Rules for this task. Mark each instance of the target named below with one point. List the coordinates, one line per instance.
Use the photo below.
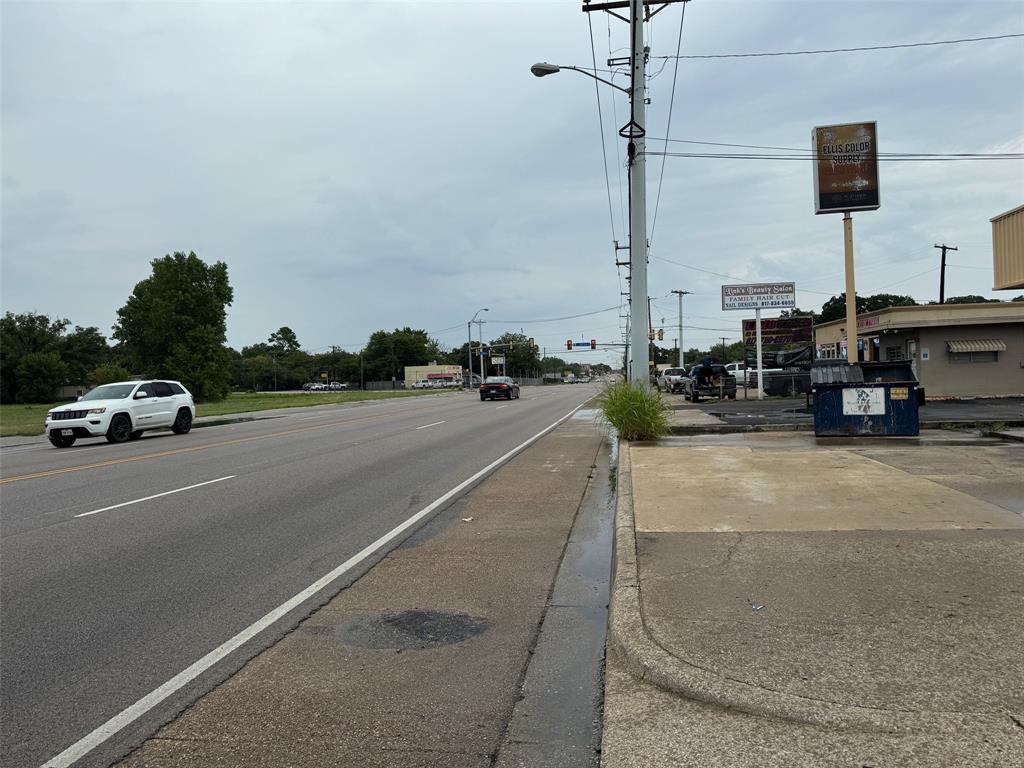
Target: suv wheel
(183, 422)
(62, 441)
(120, 429)
(135, 435)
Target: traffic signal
(650, 334)
(530, 343)
(593, 343)
(661, 334)
(568, 345)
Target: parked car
(337, 386)
(670, 380)
(499, 386)
(748, 374)
(122, 411)
(716, 382)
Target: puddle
(408, 630)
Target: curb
(1005, 436)
(647, 660)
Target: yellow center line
(177, 451)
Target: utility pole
(680, 359)
(942, 272)
(723, 338)
(634, 132)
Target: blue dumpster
(865, 399)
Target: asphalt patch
(409, 630)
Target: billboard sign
(845, 167)
(779, 331)
(759, 296)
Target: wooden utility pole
(942, 272)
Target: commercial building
(1008, 250)
(439, 375)
(955, 350)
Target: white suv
(122, 411)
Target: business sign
(779, 331)
(498, 360)
(759, 296)
(845, 167)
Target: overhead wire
(844, 50)
(600, 122)
(668, 128)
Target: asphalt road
(98, 610)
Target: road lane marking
(126, 717)
(501, 406)
(154, 496)
(432, 425)
(177, 451)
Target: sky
(369, 165)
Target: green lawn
(28, 419)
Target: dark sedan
(499, 386)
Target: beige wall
(1008, 250)
(941, 377)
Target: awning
(977, 345)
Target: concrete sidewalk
(781, 602)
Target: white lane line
(432, 425)
(154, 496)
(129, 715)
(501, 406)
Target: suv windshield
(674, 372)
(109, 392)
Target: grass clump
(635, 413)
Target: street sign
(498, 359)
(779, 331)
(323, 375)
(759, 296)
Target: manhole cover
(409, 629)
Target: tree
(284, 340)
(175, 323)
(1018, 298)
(835, 308)
(82, 352)
(40, 376)
(387, 354)
(108, 373)
(971, 298)
(520, 357)
(797, 312)
(20, 336)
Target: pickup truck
(670, 380)
(720, 383)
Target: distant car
(307, 386)
(711, 381)
(424, 384)
(122, 411)
(499, 386)
(337, 386)
(670, 380)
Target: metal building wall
(1008, 250)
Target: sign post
(845, 180)
(758, 296)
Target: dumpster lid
(836, 372)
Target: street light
(543, 69)
(634, 132)
(469, 348)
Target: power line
(668, 128)
(908, 157)
(809, 149)
(600, 122)
(842, 50)
(720, 274)
(556, 319)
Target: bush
(40, 375)
(635, 413)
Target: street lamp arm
(543, 69)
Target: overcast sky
(367, 165)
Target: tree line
(174, 326)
